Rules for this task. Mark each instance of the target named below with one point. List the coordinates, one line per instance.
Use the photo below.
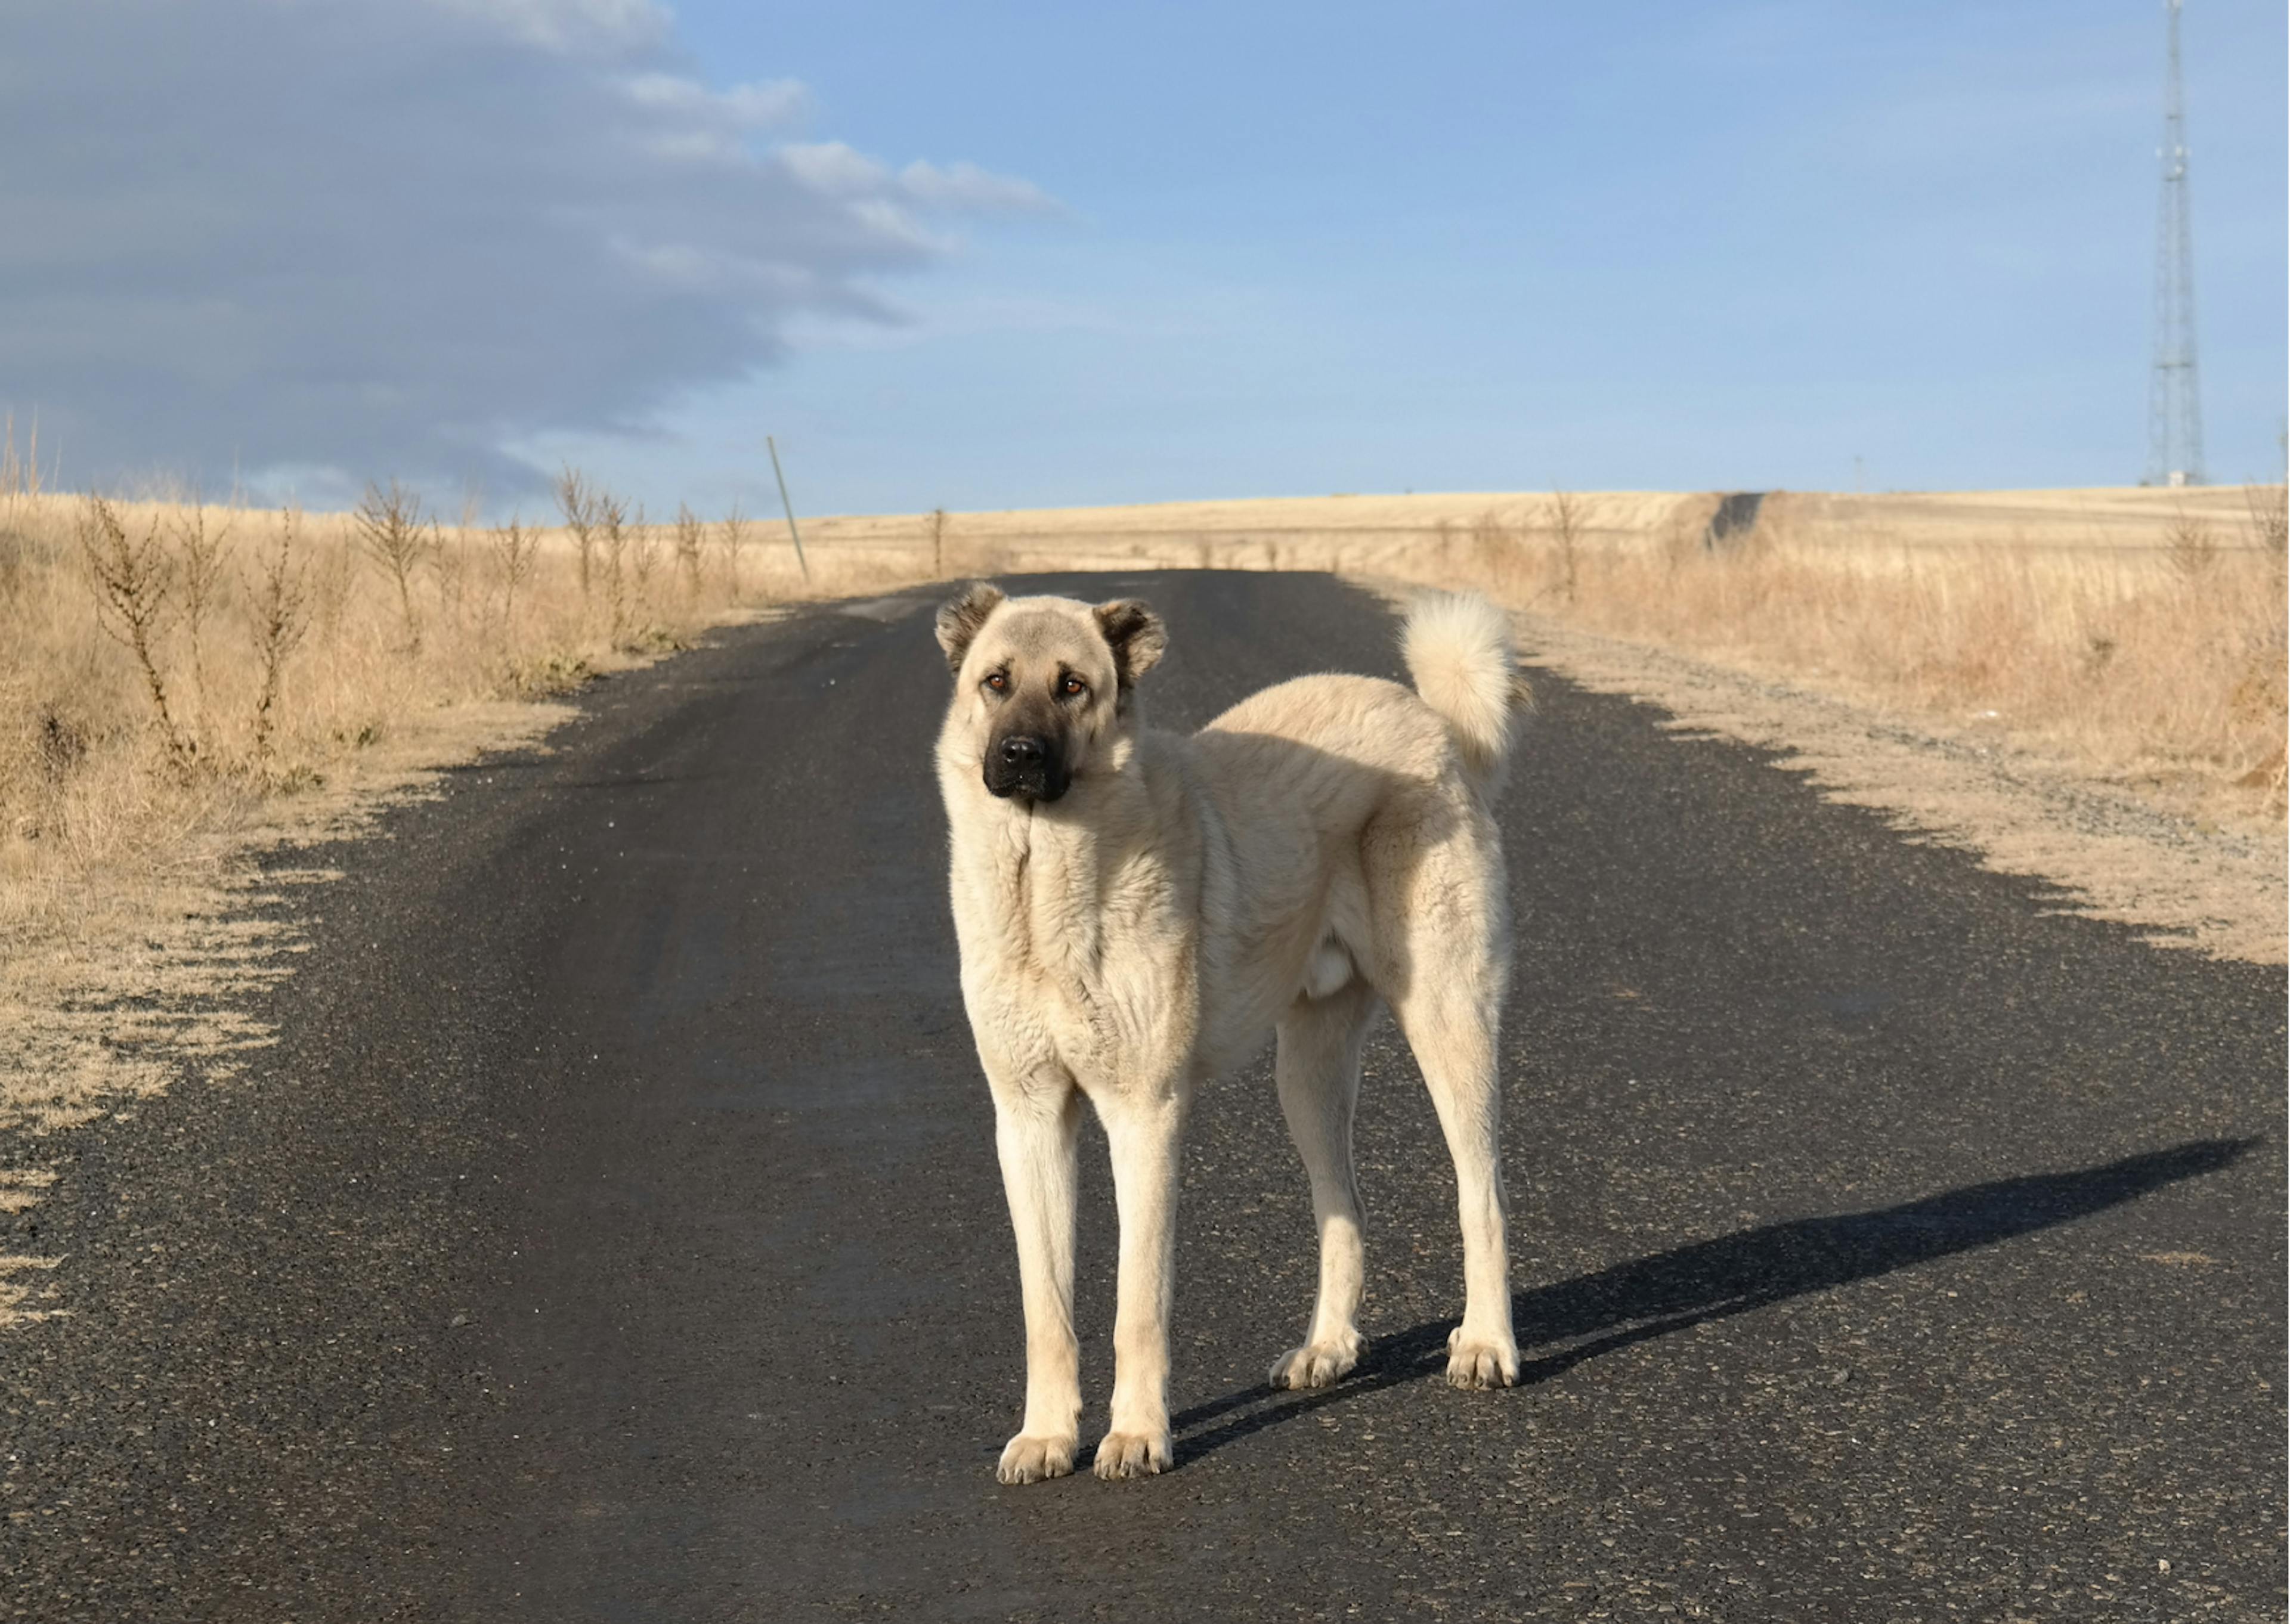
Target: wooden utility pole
(792, 532)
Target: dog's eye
(1073, 685)
(996, 681)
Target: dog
(1139, 910)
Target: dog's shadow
(1674, 1290)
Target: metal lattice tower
(2175, 406)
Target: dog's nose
(1018, 750)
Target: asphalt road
(614, 1233)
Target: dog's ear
(960, 617)
(1134, 634)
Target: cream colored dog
(1139, 910)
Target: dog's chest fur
(1076, 936)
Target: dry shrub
(1495, 554)
(691, 532)
(391, 533)
(1566, 525)
(643, 559)
(202, 552)
(2194, 546)
(517, 551)
(576, 504)
(612, 519)
(2163, 668)
(165, 667)
(1535, 560)
(731, 535)
(278, 604)
(135, 589)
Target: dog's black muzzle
(1026, 765)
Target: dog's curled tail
(1458, 649)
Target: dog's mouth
(1039, 784)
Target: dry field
(182, 682)
(2134, 635)
(169, 670)
(168, 667)
(2137, 637)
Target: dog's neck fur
(1046, 875)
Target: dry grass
(2135, 635)
(178, 679)
(164, 665)
(2162, 667)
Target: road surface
(614, 1233)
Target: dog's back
(1326, 744)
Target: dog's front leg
(1037, 1123)
(1144, 1135)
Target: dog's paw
(1029, 1459)
(1481, 1364)
(1133, 1454)
(1318, 1364)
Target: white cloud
(568, 25)
(767, 105)
(964, 186)
(893, 221)
(396, 239)
(833, 169)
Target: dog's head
(1042, 686)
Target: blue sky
(1187, 251)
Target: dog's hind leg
(1318, 1064)
(1036, 1128)
(1456, 970)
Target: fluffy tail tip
(1458, 648)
